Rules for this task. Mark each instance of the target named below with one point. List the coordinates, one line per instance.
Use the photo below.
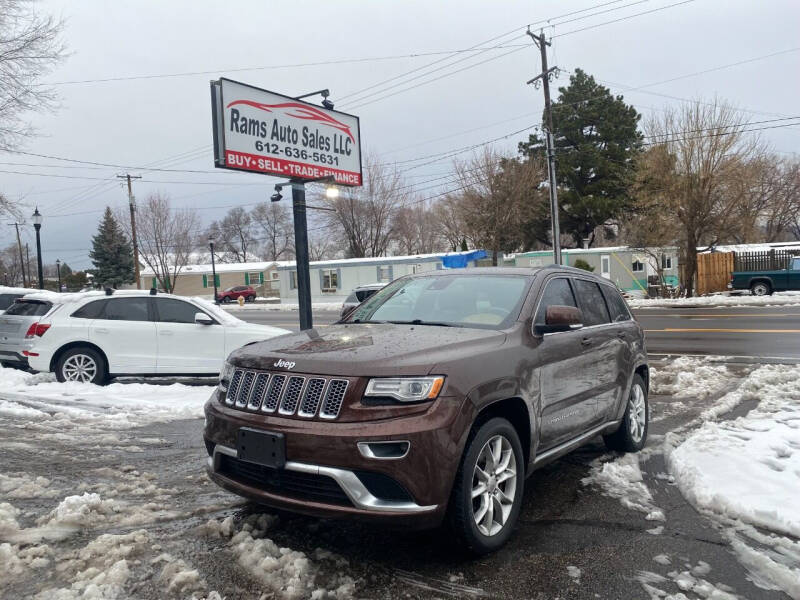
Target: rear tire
(760, 288)
(487, 492)
(250, 299)
(631, 436)
(82, 364)
(226, 300)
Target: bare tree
(702, 144)
(364, 216)
(30, 47)
(10, 266)
(165, 235)
(447, 216)
(765, 198)
(416, 230)
(496, 199)
(321, 246)
(273, 226)
(233, 235)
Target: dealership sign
(263, 132)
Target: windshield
(482, 301)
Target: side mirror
(560, 318)
(202, 318)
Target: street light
(37, 224)
(213, 270)
(58, 270)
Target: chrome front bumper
(359, 495)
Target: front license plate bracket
(264, 448)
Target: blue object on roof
(461, 260)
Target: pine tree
(111, 253)
(596, 142)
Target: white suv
(91, 336)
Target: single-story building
(628, 267)
(196, 280)
(333, 280)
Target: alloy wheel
(760, 289)
(494, 485)
(79, 367)
(637, 413)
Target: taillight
(37, 329)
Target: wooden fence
(714, 272)
(768, 260)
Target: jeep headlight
(405, 389)
(225, 376)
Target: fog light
(384, 450)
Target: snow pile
(101, 569)
(746, 473)
(23, 485)
(287, 574)
(15, 561)
(688, 376)
(692, 580)
(622, 479)
(777, 299)
(177, 576)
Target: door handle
(100, 330)
(586, 341)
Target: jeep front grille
(295, 395)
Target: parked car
(232, 294)
(9, 294)
(433, 400)
(761, 283)
(18, 327)
(358, 295)
(89, 337)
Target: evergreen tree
(596, 143)
(464, 247)
(111, 253)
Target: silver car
(358, 295)
(18, 330)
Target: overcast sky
(146, 122)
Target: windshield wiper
(367, 321)
(421, 322)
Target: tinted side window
(93, 310)
(127, 309)
(616, 304)
(175, 311)
(593, 305)
(25, 308)
(557, 293)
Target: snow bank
(61, 407)
(622, 479)
(689, 376)
(777, 299)
(283, 307)
(745, 473)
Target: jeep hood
(368, 350)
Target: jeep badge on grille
(284, 363)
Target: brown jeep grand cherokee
(434, 399)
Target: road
(764, 332)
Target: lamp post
(58, 271)
(213, 270)
(37, 224)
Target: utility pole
(544, 77)
(28, 260)
(132, 202)
(301, 254)
(21, 259)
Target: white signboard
(263, 132)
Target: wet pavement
(572, 541)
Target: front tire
(487, 492)
(760, 288)
(250, 299)
(632, 433)
(226, 300)
(82, 364)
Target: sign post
(259, 131)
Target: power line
(647, 12)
